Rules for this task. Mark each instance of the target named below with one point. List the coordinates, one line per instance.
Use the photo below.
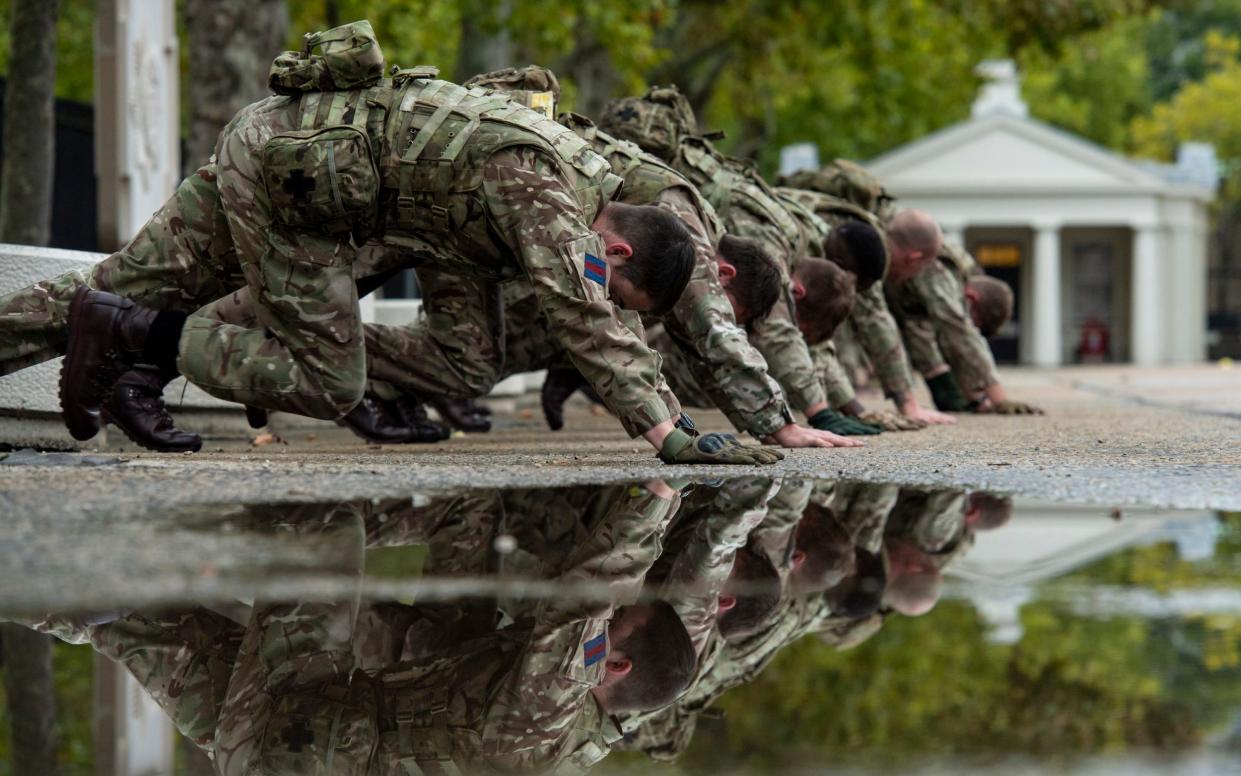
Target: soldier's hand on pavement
(830, 420)
(1010, 407)
(891, 421)
(930, 417)
(683, 446)
(794, 435)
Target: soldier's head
(987, 511)
(656, 121)
(750, 277)
(649, 253)
(534, 86)
(650, 660)
(824, 295)
(914, 581)
(860, 250)
(749, 597)
(991, 303)
(914, 240)
(823, 556)
(861, 593)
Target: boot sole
(79, 432)
(108, 418)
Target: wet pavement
(1015, 595)
(830, 625)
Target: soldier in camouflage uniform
(945, 344)
(701, 327)
(663, 123)
(870, 323)
(464, 180)
(843, 192)
(293, 692)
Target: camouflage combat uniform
(703, 333)
(933, 521)
(464, 181)
(871, 323)
(935, 321)
(749, 208)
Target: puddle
(739, 626)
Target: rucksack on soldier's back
(339, 59)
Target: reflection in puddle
(741, 625)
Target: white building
(1087, 238)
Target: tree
(231, 46)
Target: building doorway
(1002, 253)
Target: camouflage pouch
(332, 730)
(323, 180)
(339, 59)
(533, 86)
(845, 180)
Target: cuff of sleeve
(840, 395)
(768, 422)
(645, 416)
(807, 396)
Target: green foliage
(73, 668)
(75, 47)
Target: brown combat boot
(136, 406)
(470, 416)
(106, 338)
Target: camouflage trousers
(182, 259)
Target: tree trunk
(485, 41)
(589, 66)
(231, 47)
(31, 699)
(29, 124)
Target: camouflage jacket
(936, 323)
(873, 325)
(472, 182)
(749, 208)
(933, 521)
(701, 324)
(516, 699)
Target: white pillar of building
(137, 163)
(1146, 326)
(1187, 314)
(954, 234)
(1044, 298)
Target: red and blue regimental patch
(595, 650)
(596, 270)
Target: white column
(1187, 322)
(1146, 326)
(1044, 307)
(954, 234)
(137, 161)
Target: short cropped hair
(663, 251)
(758, 284)
(860, 594)
(828, 301)
(859, 248)
(993, 511)
(664, 661)
(994, 306)
(758, 598)
(915, 231)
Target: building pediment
(1004, 153)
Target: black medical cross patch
(627, 113)
(297, 735)
(299, 186)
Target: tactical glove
(830, 420)
(891, 421)
(946, 395)
(1009, 407)
(687, 446)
